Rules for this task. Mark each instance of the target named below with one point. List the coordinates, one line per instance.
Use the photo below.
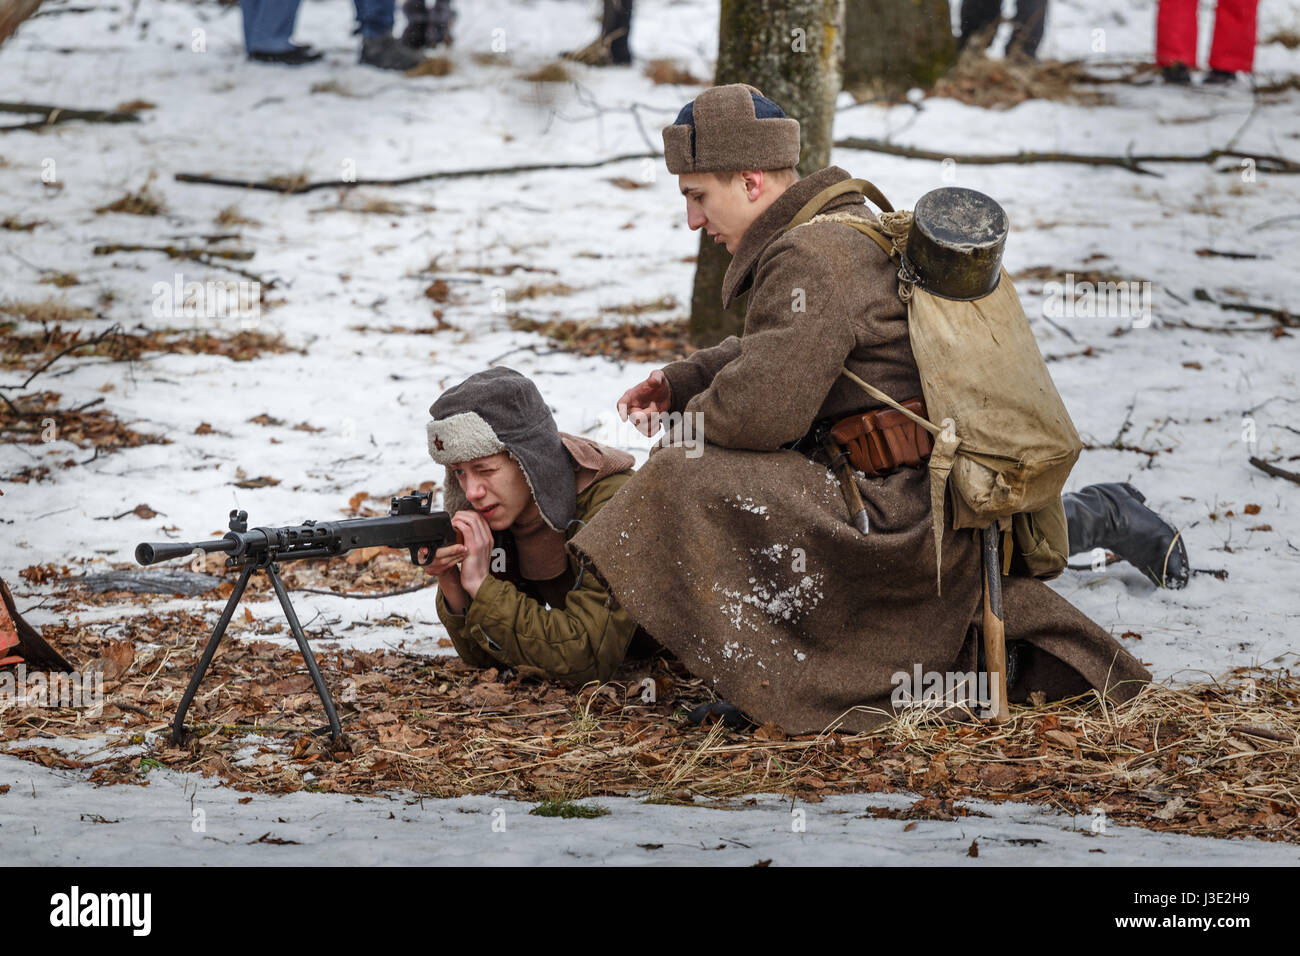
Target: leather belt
(884, 440)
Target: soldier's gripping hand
(644, 403)
(478, 549)
(446, 568)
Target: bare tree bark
(14, 12)
(891, 46)
(792, 50)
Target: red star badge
(437, 443)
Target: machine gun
(409, 524)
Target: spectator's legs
(268, 25)
(379, 48)
(1031, 16)
(1176, 32)
(417, 21)
(979, 19)
(616, 23)
(375, 17)
(1233, 50)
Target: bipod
(273, 572)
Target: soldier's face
(724, 210)
(497, 489)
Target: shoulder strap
(814, 205)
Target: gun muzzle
(147, 553)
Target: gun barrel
(147, 553)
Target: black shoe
(1177, 74)
(414, 36)
(441, 17)
(296, 56)
(1219, 78)
(729, 714)
(386, 53)
(1113, 516)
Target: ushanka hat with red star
(500, 410)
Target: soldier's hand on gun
(478, 549)
(644, 403)
(446, 561)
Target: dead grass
(46, 310)
(371, 205)
(628, 341)
(1289, 38)
(30, 349)
(672, 73)
(14, 224)
(537, 289)
(39, 418)
(554, 72)
(433, 66)
(231, 216)
(999, 84)
(1216, 758)
(142, 202)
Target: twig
(203, 256)
(364, 597)
(174, 252)
(1264, 732)
(1128, 423)
(112, 330)
(1133, 163)
(1275, 471)
(294, 187)
(59, 114)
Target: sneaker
(386, 53)
(296, 56)
(1177, 74)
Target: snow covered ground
(1191, 394)
(49, 817)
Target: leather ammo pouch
(877, 442)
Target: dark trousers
(375, 17)
(981, 16)
(268, 24)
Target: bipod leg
(178, 725)
(995, 637)
(336, 730)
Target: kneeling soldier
(741, 560)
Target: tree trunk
(792, 51)
(891, 46)
(14, 12)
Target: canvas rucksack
(1004, 443)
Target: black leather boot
(415, 36)
(1113, 516)
(728, 713)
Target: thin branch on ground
(295, 186)
(1275, 471)
(1132, 162)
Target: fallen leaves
(116, 660)
(628, 341)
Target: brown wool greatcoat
(741, 559)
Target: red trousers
(1234, 34)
